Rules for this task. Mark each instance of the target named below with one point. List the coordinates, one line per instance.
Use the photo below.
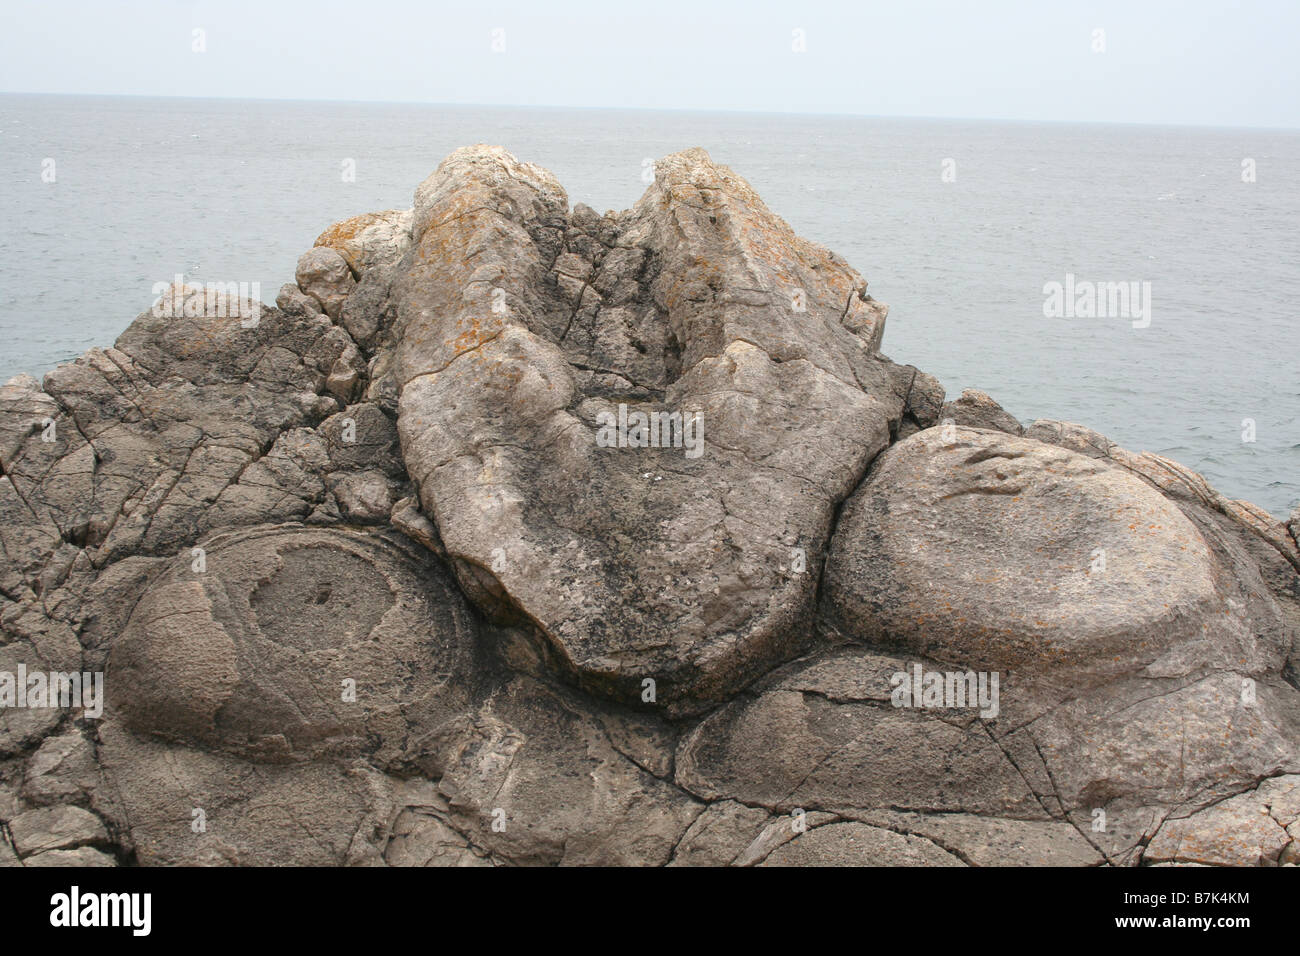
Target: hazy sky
(1213, 62)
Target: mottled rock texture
(391, 573)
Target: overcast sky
(1210, 62)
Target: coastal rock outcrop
(687, 559)
(517, 534)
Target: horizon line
(653, 109)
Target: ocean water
(224, 190)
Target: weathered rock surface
(370, 240)
(519, 326)
(975, 409)
(55, 828)
(1005, 554)
(822, 733)
(856, 844)
(326, 276)
(366, 586)
(294, 642)
(63, 770)
(1250, 829)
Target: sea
(965, 228)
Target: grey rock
(361, 438)
(324, 275)
(822, 733)
(365, 498)
(367, 313)
(1004, 554)
(1170, 742)
(1077, 438)
(55, 828)
(538, 775)
(1247, 830)
(62, 770)
(84, 856)
(638, 564)
(975, 409)
(295, 643)
(779, 831)
(183, 806)
(856, 844)
(193, 423)
(23, 381)
(922, 400)
(994, 841)
(294, 301)
(421, 838)
(23, 727)
(720, 834)
(9, 803)
(375, 239)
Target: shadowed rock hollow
(518, 534)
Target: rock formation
(518, 534)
